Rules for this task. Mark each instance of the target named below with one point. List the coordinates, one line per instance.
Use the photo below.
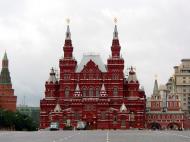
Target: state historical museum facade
(93, 92)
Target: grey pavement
(97, 136)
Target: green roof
(5, 76)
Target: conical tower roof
(155, 90)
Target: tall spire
(5, 61)
(5, 75)
(115, 48)
(68, 49)
(115, 33)
(68, 33)
(155, 91)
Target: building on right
(182, 84)
(164, 109)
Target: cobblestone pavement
(97, 136)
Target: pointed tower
(115, 48)
(133, 83)
(155, 90)
(67, 66)
(5, 75)
(115, 62)
(103, 92)
(68, 48)
(7, 98)
(115, 66)
(52, 85)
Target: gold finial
(115, 20)
(68, 21)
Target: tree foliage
(16, 121)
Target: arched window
(97, 92)
(67, 91)
(84, 91)
(91, 91)
(115, 91)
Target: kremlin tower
(7, 98)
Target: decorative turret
(115, 48)
(68, 49)
(57, 108)
(123, 108)
(5, 75)
(77, 92)
(132, 76)
(103, 92)
(52, 77)
(133, 83)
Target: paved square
(97, 136)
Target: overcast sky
(154, 36)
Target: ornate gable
(91, 67)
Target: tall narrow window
(115, 91)
(84, 91)
(97, 92)
(67, 91)
(91, 91)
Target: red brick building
(93, 92)
(165, 109)
(7, 98)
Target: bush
(16, 121)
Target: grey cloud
(154, 36)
